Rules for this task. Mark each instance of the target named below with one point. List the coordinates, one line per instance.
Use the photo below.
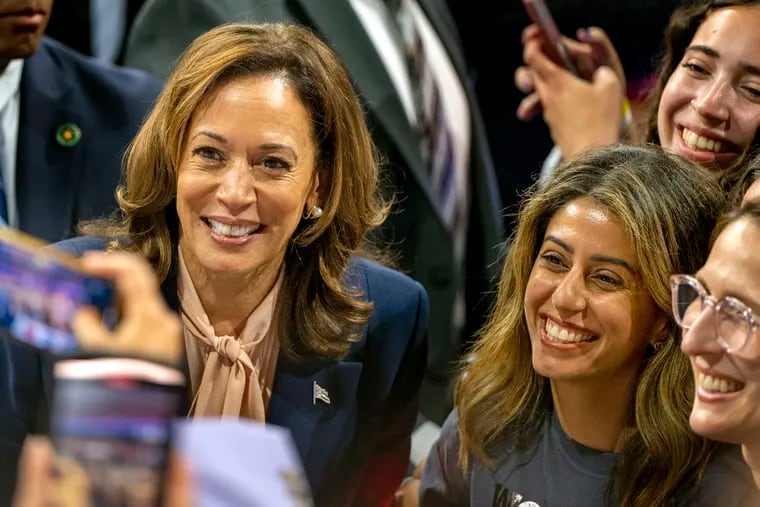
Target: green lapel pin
(68, 135)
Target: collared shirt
(380, 27)
(381, 30)
(10, 82)
(456, 112)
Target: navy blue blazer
(56, 186)
(355, 450)
(415, 228)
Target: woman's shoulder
(381, 283)
(400, 307)
(81, 244)
(397, 299)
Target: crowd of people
(296, 204)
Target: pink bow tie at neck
(227, 347)
(232, 375)
(229, 386)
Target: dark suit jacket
(417, 231)
(57, 186)
(355, 450)
(70, 24)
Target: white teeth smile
(717, 385)
(562, 335)
(233, 231)
(697, 142)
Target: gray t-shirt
(556, 471)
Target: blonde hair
(668, 207)
(317, 316)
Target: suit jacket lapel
(319, 427)
(46, 172)
(343, 31)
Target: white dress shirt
(10, 81)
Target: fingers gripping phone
(539, 13)
(542, 17)
(111, 423)
(40, 291)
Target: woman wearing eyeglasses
(719, 311)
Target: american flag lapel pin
(319, 393)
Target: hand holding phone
(570, 104)
(45, 478)
(147, 327)
(111, 423)
(67, 306)
(542, 17)
(41, 289)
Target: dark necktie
(436, 143)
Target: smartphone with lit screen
(111, 420)
(40, 291)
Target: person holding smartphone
(704, 105)
(148, 330)
(46, 479)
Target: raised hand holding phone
(147, 327)
(579, 85)
(41, 289)
(580, 114)
(46, 479)
(112, 416)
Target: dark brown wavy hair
(683, 25)
(317, 315)
(668, 207)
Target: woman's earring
(314, 213)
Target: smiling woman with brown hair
(251, 189)
(719, 312)
(577, 393)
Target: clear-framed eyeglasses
(734, 321)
